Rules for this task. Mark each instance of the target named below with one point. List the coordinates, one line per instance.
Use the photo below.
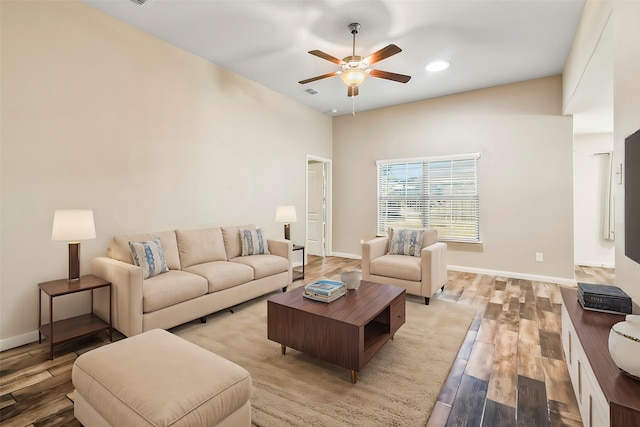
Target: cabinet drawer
(398, 312)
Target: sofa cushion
(253, 242)
(149, 256)
(200, 246)
(405, 241)
(171, 288)
(222, 274)
(119, 247)
(398, 266)
(430, 237)
(264, 265)
(232, 243)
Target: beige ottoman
(159, 379)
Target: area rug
(398, 387)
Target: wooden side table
(297, 274)
(65, 330)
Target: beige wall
(624, 17)
(98, 115)
(626, 106)
(525, 172)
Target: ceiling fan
(354, 70)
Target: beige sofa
(206, 273)
(420, 275)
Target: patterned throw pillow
(405, 242)
(253, 242)
(149, 256)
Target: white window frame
(442, 194)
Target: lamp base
(287, 234)
(74, 261)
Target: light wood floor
(510, 371)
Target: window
(437, 192)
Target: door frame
(327, 207)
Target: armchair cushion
(403, 241)
(398, 266)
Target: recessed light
(437, 66)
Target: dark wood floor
(510, 371)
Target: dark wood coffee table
(346, 332)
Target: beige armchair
(422, 276)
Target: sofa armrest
(126, 287)
(372, 249)
(283, 248)
(434, 267)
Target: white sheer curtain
(608, 217)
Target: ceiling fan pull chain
(353, 103)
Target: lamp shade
(73, 225)
(286, 214)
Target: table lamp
(286, 214)
(73, 226)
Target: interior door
(316, 202)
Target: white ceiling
(487, 42)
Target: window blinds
(437, 192)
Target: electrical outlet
(539, 257)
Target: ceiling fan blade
(383, 53)
(352, 90)
(402, 78)
(321, 54)
(313, 79)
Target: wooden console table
(606, 396)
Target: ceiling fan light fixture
(353, 76)
(354, 69)
(436, 66)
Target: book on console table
(606, 298)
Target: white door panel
(315, 206)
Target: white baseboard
(595, 264)
(17, 341)
(500, 273)
(514, 275)
(345, 255)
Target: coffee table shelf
(375, 336)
